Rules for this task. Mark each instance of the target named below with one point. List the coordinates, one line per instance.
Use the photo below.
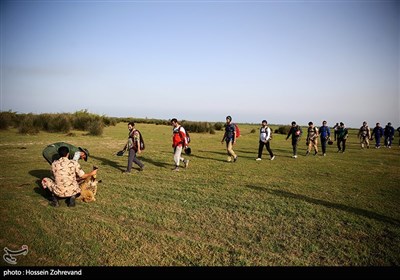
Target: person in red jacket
(179, 142)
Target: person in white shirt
(265, 138)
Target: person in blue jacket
(325, 135)
(378, 132)
(389, 135)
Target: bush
(60, 123)
(253, 131)
(218, 126)
(28, 124)
(283, 129)
(95, 127)
(7, 119)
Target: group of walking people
(67, 172)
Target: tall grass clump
(218, 126)
(283, 129)
(7, 119)
(28, 124)
(95, 127)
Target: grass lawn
(338, 210)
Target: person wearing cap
(296, 132)
(342, 134)
(325, 136)
(230, 139)
(65, 184)
(364, 133)
(265, 137)
(50, 153)
(389, 135)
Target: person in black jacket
(296, 132)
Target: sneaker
(258, 158)
(294, 156)
(235, 158)
(186, 162)
(175, 169)
(273, 157)
(324, 155)
(54, 202)
(71, 201)
(126, 172)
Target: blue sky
(203, 60)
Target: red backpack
(237, 131)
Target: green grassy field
(342, 209)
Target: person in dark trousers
(325, 136)
(398, 129)
(389, 135)
(378, 133)
(342, 134)
(335, 128)
(133, 147)
(265, 137)
(296, 132)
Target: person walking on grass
(312, 139)
(325, 136)
(179, 142)
(335, 129)
(364, 133)
(389, 135)
(378, 133)
(296, 132)
(398, 129)
(134, 147)
(230, 139)
(265, 137)
(65, 184)
(342, 134)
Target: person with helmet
(389, 135)
(364, 133)
(50, 153)
(296, 132)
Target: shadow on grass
(106, 161)
(349, 209)
(155, 163)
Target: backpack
(142, 146)
(130, 141)
(237, 130)
(187, 135)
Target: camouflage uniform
(65, 172)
